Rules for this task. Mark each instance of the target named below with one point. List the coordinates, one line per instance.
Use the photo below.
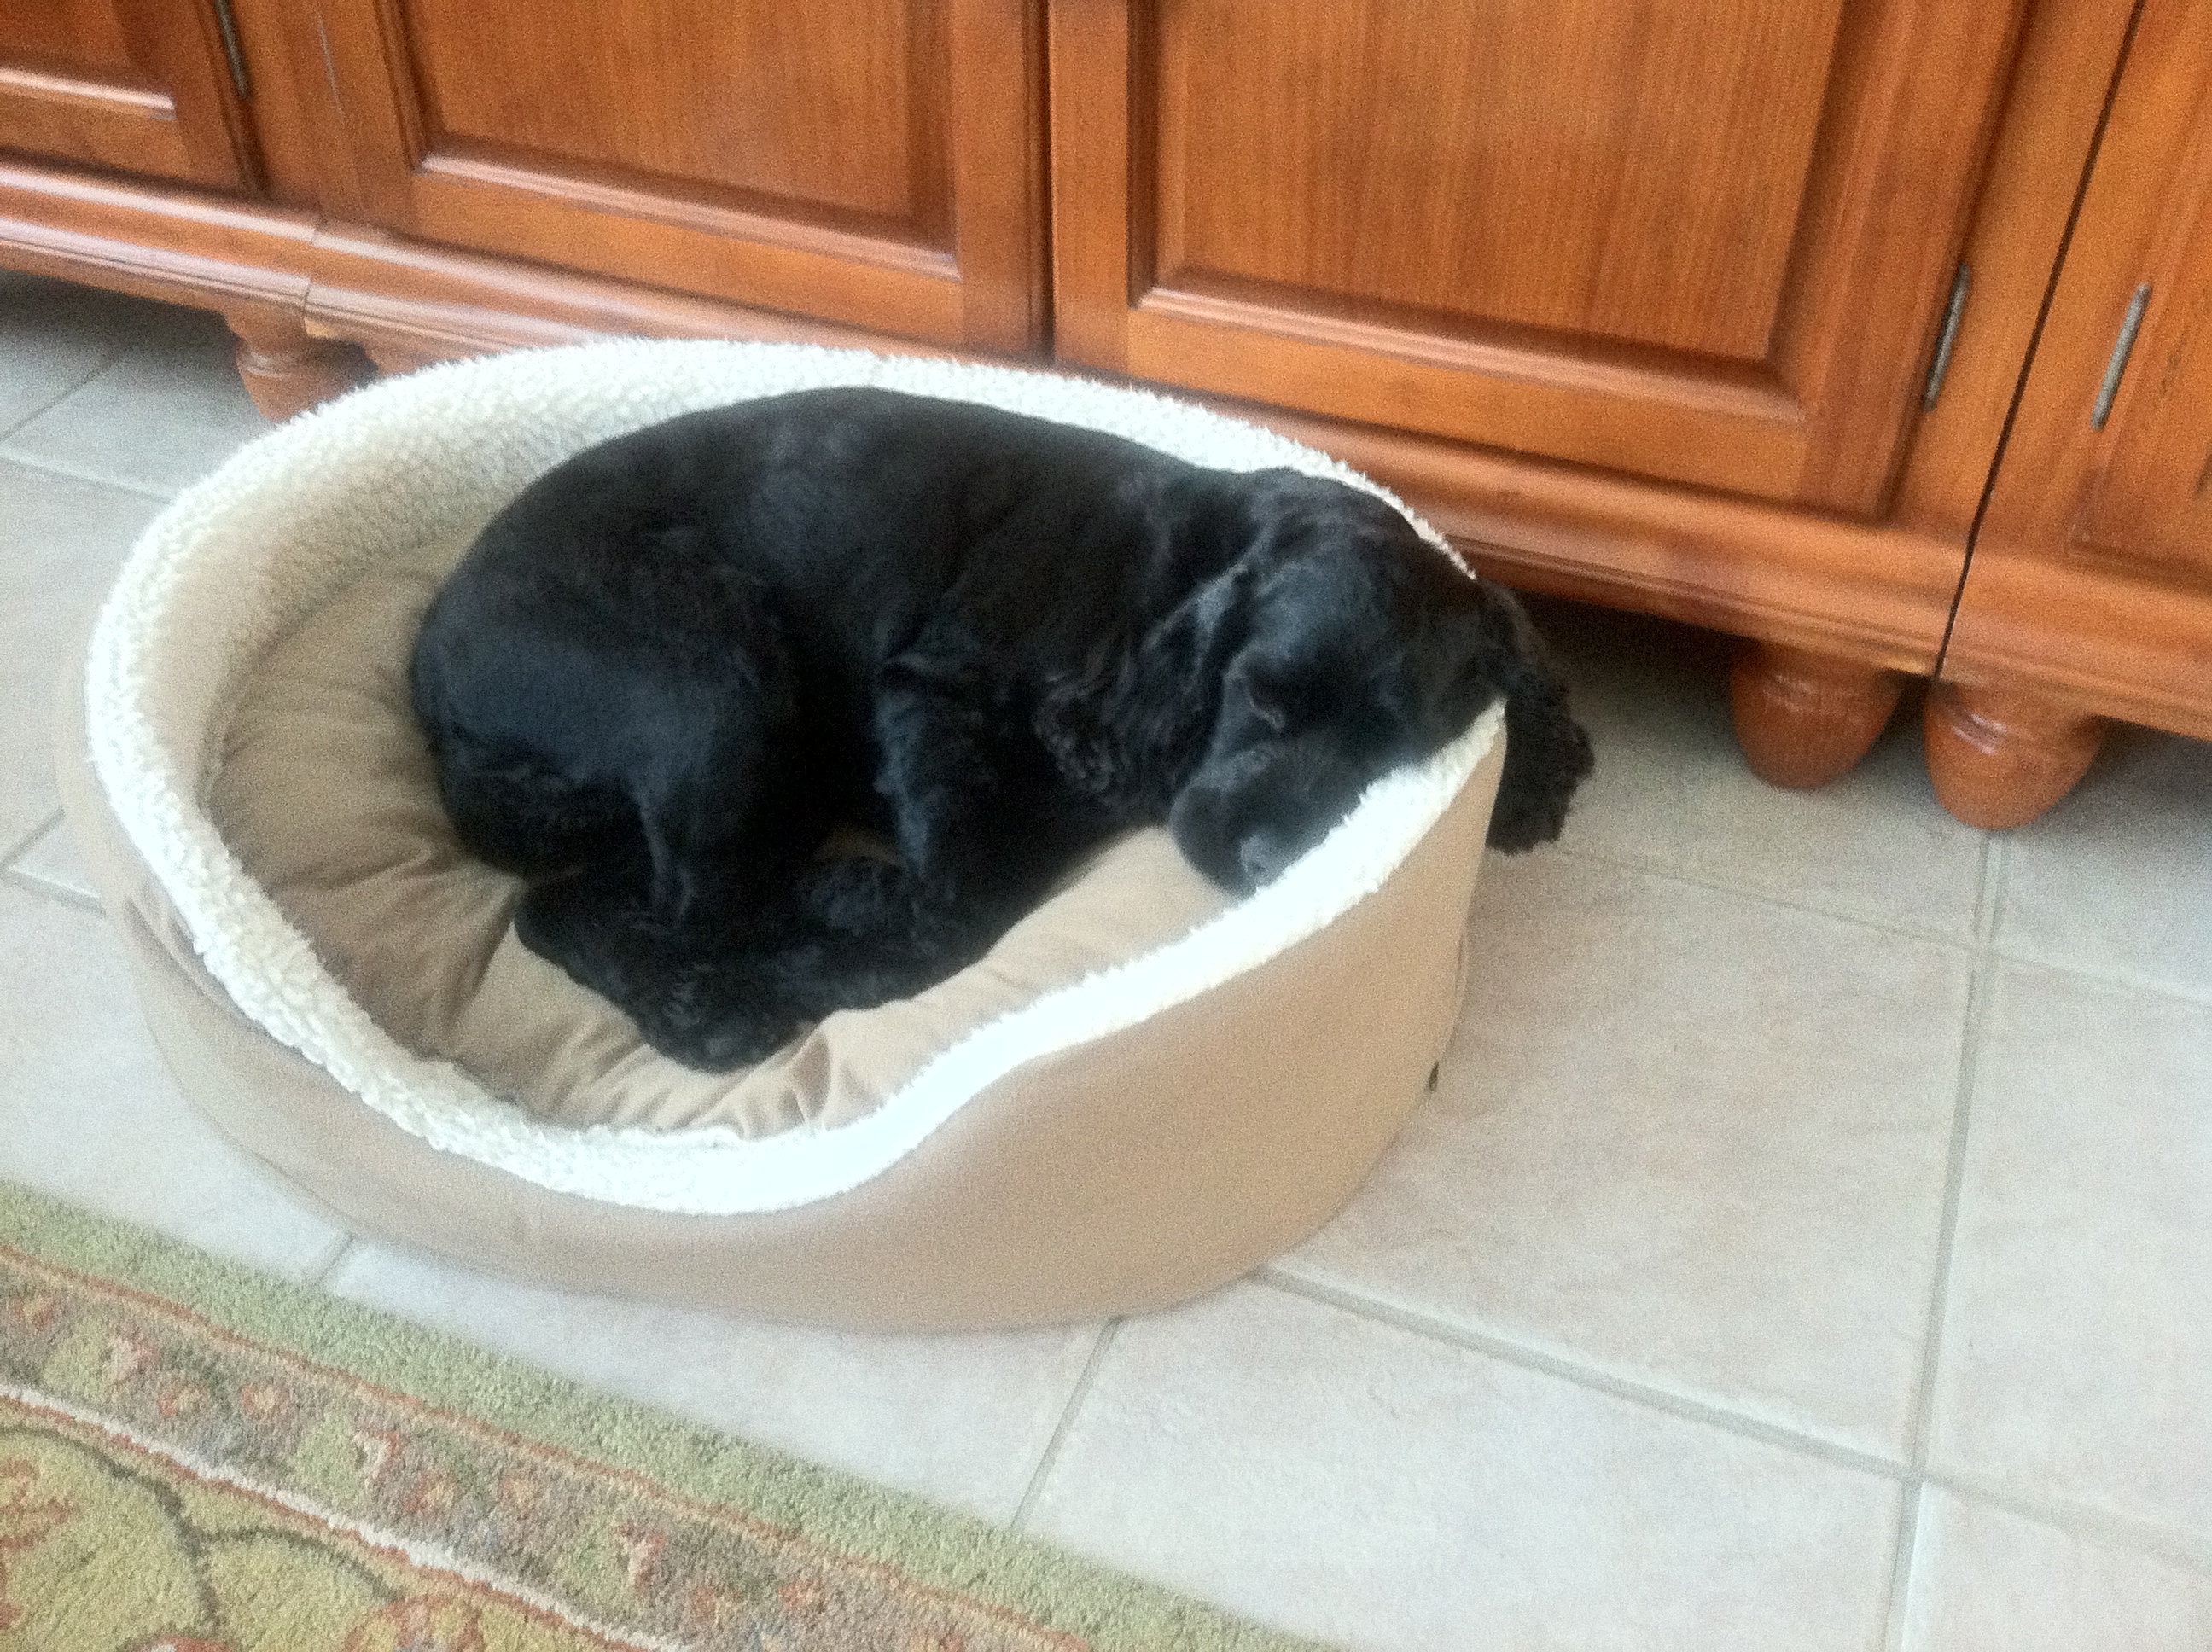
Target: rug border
(937, 1546)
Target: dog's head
(1352, 647)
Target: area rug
(195, 1458)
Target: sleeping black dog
(676, 662)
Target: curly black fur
(676, 662)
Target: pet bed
(1142, 1090)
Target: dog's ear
(1128, 727)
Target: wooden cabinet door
(876, 163)
(140, 86)
(2092, 572)
(1704, 241)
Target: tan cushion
(326, 793)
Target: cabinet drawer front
(136, 86)
(876, 164)
(1707, 243)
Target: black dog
(676, 661)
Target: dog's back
(773, 554)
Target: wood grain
(835, 107)
(2056, 101)
(804, 160)
(137, 86)
(1573, 166)
(1708, 246)
(1999, 760)
(2090, 588)
(1805, 719)
(286, 370)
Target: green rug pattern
(196, 1457)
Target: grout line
(1050, 1457)
(2117, 1532)
(74, 473)
(2124, 1534)
(1676, 874)
(1973, 1041)
(9, 852)
(1973, 1037)
(327, 1263)
(1904, 1563)
(1636, 1392)
(2195, 997)
(45, 889)
(1996, 878)
(114, 352)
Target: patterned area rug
(196, 1459)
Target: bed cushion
(1143, 1088)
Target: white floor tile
(1345, 1480)
(1692, 1138)
(164, 414)
(60, 542)
(53, 336)
(963, 1420)
(88, 1114)
(2076, 1355)
(1671, 789)
(1987, 1580)
(2117, 878)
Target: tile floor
(1809, 1244)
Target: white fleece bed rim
(240, 559)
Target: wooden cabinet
(141, 86)
(875, 163)
(1704, 243)
(2089, 593)
(1637, 300)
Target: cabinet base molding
(1999, 759)
(1803, 718)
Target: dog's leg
(981, 816)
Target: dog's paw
(712, 1018)
(854, 896)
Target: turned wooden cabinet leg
(2000, 759)
(286, 369)
(1803, 718)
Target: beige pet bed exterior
(1142, 1091)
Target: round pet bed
(1145, 1089)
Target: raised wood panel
(878, 165)
(80, 37)
(2150, 502)
(2091, 580)
(1640, 149)
(136, 86)
(2046, 133)
(2139, 492)
(1708, 243)
(833, 108)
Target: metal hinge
(1946, 338)
(231, 49)
(2122, 347)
